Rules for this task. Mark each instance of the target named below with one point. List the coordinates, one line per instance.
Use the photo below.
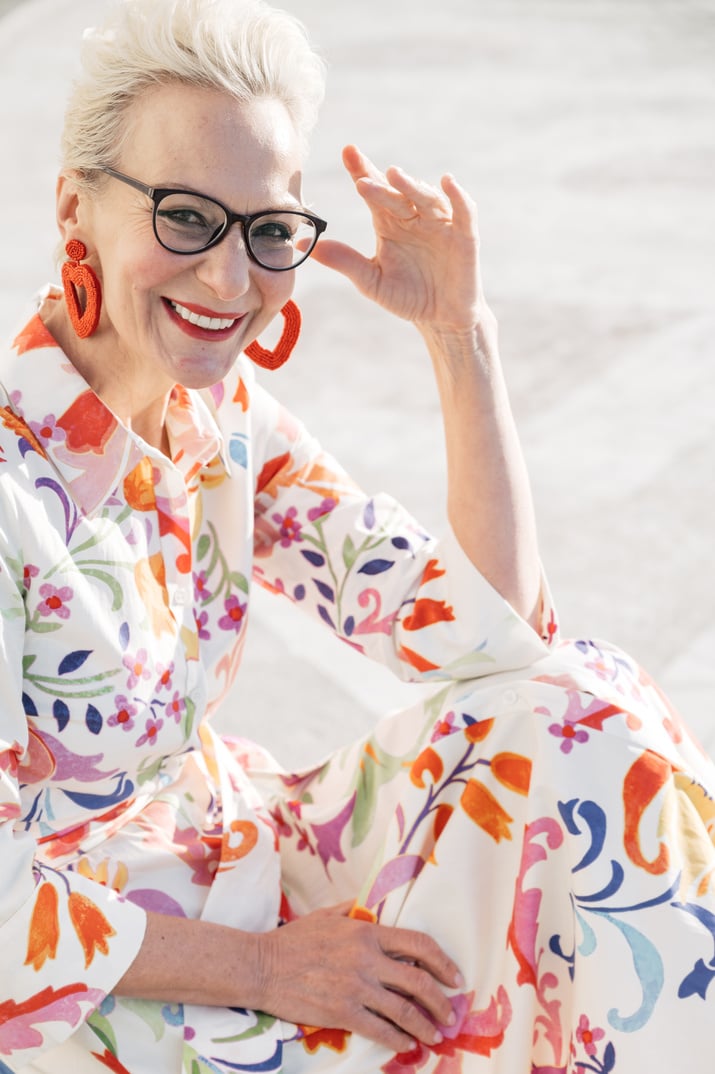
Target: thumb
(340, 257)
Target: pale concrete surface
(585, 130)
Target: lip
(195, 331)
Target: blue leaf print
(325, 615)
(368, 515)
(299, 592)
(73, 661)
(697, 982)
(376, 566)
(124, 635)
(124, 789)
(595, 819)
(313, 557)
(61, 713)
(29, 705)
(609, 1058)
(325, 590)
(401, 542)
(349, 625)
(93, 719)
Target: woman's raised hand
(426, 265)
(328, 969)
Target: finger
(371, 1025)
(427, 199)
(380, 195)
(344, 259)
(408, 1016)
(359, 166)
(406, 943)
(419, 986)
(464, 209)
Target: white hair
(243, 47)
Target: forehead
(206, 140)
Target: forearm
(187, 961)
(488, 494)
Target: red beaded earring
(75, 275)
(282, 351)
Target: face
(247, 156)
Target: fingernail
(452, 1019)
(459, 981)
(437, 1038)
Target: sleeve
(364, 566)
(65, 940)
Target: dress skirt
(553, 832)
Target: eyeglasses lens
(187, 223)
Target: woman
(516, 875)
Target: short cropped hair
(243, 47)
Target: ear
(68, 199)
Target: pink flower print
(444, 727)
(568, 732)
(235, 611)
(29, 571)
(176, 707)
(289, 527)
(124, 716)
(201, 621)
(201, 590)
(165, 673)
(47, 429)
(55, 600)
(153, 727)
(325, 507)
(137, 668)
(587, 1036)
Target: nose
(226, 267)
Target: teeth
(213, 323)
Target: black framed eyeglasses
(188, 223)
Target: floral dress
(544, 814)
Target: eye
(184, 218)
(272, 231)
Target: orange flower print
(139, 486)
(18, 426)
(427, 761)
(513, 771)
(335, 1039)
(88, 424)
(150, 578)
(481, 806)
(44, 932)
(427, 611)
(91, 926)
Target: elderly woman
(516, 875)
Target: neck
(143, 414)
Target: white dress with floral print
(545, 814)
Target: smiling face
(167, 317)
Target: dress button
(510, 697)
(181, 597)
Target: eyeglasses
(188, 223)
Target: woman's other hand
(426, 263)
(328, 969)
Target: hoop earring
(283, 348)
(74, 276)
